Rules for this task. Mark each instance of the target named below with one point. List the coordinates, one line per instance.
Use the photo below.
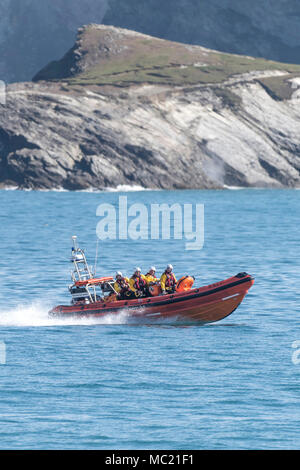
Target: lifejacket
(124, 286)
(139, 283)
(170, 280)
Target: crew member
(168, 281)
(151, 276)
(122, 286)
(138, 283)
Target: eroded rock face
(232, 134)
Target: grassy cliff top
(105, 55)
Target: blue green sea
(111, 384)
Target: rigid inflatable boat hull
(206, 304)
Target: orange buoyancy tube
(185, 283)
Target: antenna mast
(96, 257)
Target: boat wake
(36, 315)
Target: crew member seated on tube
(168, 281)
(122, 287)
(138, 283)
(151, 276)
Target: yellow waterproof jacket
(150, 279)
(132, 282)
(164, 281)
(117, 286)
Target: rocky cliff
(125, 108)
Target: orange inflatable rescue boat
(96, 297)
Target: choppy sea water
(111, 384)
